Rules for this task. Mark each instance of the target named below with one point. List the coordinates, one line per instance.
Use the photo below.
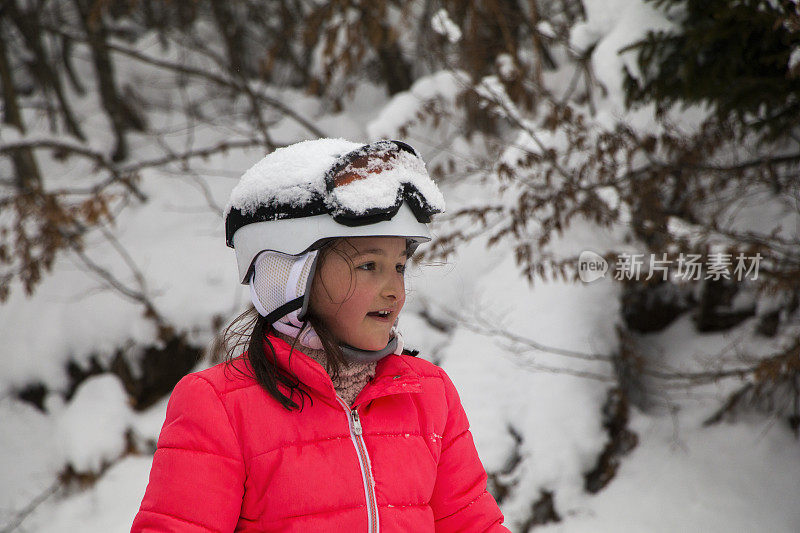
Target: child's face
(347, 299)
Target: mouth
(383, 315)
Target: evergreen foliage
(733, 56)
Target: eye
(367, 266)
(401, 268)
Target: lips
(383, 315)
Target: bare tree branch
(29, 509)
(208, 76)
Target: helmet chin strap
(309, 338)
(394, 346)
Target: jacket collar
(393, 375)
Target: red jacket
(401, 458)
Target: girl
(326, 423)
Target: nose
(393, 286)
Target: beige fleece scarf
(353, 376)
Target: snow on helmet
(298, 196)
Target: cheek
(330, 286)
(338, 307)
(360, 303)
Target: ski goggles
(370, 184)
(364, 186)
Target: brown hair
(250, 330)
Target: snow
(610, 26)
(794, 59)
(91, 429)
(290, 175)
(71, 303)
(88, 432)
(444, 26)
(108, 506)
(295, 175)
(493, 91)
(506, 67)
(546, 29)
(718, 479)
(500, 379)
(30, 459)
(443, 86)
(679, 478)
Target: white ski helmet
(295, 198)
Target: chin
(371, 344)
(375, 347)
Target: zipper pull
(356, 422)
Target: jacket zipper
(363, 461)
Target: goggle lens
(371, 183)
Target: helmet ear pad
(280, 285)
